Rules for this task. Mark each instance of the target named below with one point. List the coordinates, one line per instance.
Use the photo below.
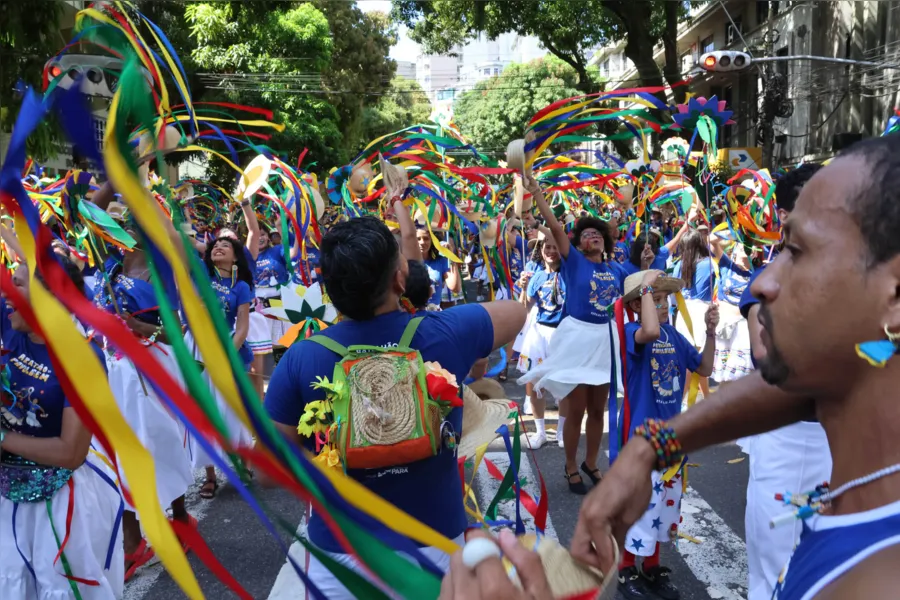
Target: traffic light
(723, 61)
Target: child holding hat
(656, 364)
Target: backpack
(382, 411)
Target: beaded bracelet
(662, 438)
(647, 289)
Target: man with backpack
(379, 349)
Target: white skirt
(259, 337)
(276, 327)
(697, 310)
(536, 347)
(28, 546)
(579, 353)
(519, 342)
(157, 429)
(238, 435)
(733, 354)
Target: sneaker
(536, 440)
(526, 408)
(551, 435)
(559, 441)
(632, 586)
(658, 581)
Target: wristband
(647, 289)
(662, 438)
(710, 334)
(245, 203)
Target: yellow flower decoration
(329, 457)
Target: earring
(877, 353)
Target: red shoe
(193, 523)
(138, 559)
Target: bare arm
(673, 243)
(241, 325)
(252, 228)
(744, 407)
(12, 242)
(452, 277)
(508, 318)
(67, 451)
(558, 231)
(649, 329)
(409, 247)
(709, 350)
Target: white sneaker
(559, 441)
(526, 408)
(536, 440)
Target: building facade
(798, 109)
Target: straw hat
(395, 178)
(520, 203)
(436, 225)
(489, 230)
(171, 140)
(360, 178)
(516, 157)
(541, 236)
(482, 418)
(663, 283)
(566, 577)
(117, 211)
(254, 177)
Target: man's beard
(773, 368)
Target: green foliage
(403, 104)
(497, 110)
(28, 38)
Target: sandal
(504, 375)
(595, 479)
(576, 487)
(208, 489)
(138, 558)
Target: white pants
(335, 590)
(661, 519)
(792, 459)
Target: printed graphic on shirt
(24, 407)
(604, 290)
(665, 373)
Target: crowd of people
(621, 310)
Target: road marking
(486, 488)
(146, 576)
(720, 561)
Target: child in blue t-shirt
(656, 365)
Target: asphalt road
(713, 566)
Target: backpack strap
(409, 332)
(329, 343)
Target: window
(99, 131)
(604, 68)
(496, 71)
(762, 12)
(428, 79)
(782, 65)
(687, 62)
(707, 45)
(732, 32)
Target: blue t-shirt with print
(701, 288)
(517, 254)
(658, 264)
(548, 291)
(271, 268)
(621, 252)
(133, 296)
(656, 373)
(733, 281)
(429, 490)
(591, 288)
(437, 267)
(231, 297)
(34, 402)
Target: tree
(495, 112)
(402, 105)
(28, 38)
(360, 69)
(569, 29)
(270, 57)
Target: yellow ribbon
(89, 379)
(445, 252)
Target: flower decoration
(639, 167)
(330, 458)
(686, 115)
(307, 309)
(675, 149)
(317, 418)
(442, 384)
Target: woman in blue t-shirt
(230, 278)
(545, 292)
(583, 354)
(440, 270)
(44, 466)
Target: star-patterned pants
(660, 521)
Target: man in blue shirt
(365, 274)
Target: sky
(406, 49)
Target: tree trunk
(672, 70)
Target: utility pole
(765, 130)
